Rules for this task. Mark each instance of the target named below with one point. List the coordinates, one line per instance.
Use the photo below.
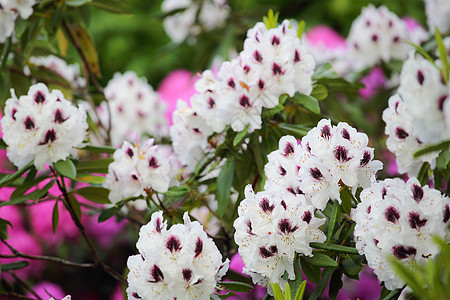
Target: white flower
(399, 219)
(68, 297)
(135, 107)
(71, 73)
(376, 35)
(42, 126)
(402, 139)
(438, 14)
(181, 262)
(7, 21)
(136, 171)
(270, 229)
(423, 90)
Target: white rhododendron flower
(9, 11)
(71, 73)
(399, 219)
(211, 14)
(135, 108)
(136, 170)
(402, 139)
(328, 157)
(438, 14)
(377, 35)
(181, 262)
(270, 229)
(42, 126)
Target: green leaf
(393, 294)
(311, 272)
(350, 267)
(224, 182)
(287, 292)
(85, 43)
(300, 291)
(271, 21)
(15, 265)
(75, 206)
(321, 260)
(99, 149)
(236, 286)
(94, 194)
(326, 274)
(432, 148)
(55, 217)
(423, 173)
(240, 136)
(10, 178)
(301, 29)
(76, 3)
(333, 219)
(443, 160)
(114, 6)
(335, 284)
(3, 144)
(334, 248)
(90, 178)
(423, 53)
(296, 284)
(27, 184)
(277, 293)
(346, 197)
(319, 92)
(308, 102)
(177, 191)
(4, 228)
(298, 130)
(324, 71)
(408, 277)
(94, 166)
(107, 213)
(223, 296)
(66, 168)
(442, 54)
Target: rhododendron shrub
(141, 153)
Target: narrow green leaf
(66, 168)
(308, 102)
(432, 148)
(301, 29)
(99, 149)
(335, 248)
(298, 130)
(10, 178)
(333, 219)
(3, 144)
(236, 286)
(442, 54)
(224, 182)
(240, 136)
(319, 92)
(335, 284)
(277, 293)
(114, 6)
(423, 173)
(296, 284)
(300, 291)
(423, 53)
(94, 166)
(311, 272)
(107, 213)
(94, 194)
(4, 228)
(350, 267)
(443, 160)
(75, 206)
(76, 3)
(55, 217)
(393, 294)
(44, 190)
(287, 292)
(27, 184)
(346, 198)
(177, 191)
(408, 277)
(90, 178)
(326, 274)
(321, 260)
(15, 265)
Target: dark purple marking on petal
(395, 39)
(282, 171)
(283, 204)
(392, 214)
(417, 192)
(261, 84)
(29, 123)
(275, 40)
(390, 23)
(402, 252)
(345, 134)
(187, 274)
(341, 153)
(307, 216)
(50, 137)
(401, 133)
(383, 193)
(441, 101)
(446, 213)
(231, 83)
(355, 45)
(244, 101)
(266, 253)
(365, 159)
(374, 38)
(157, 274)
(59, 117)
(375, 241)
(139, 95)
(136, 295)
(420, 77)
(288, 149)
(173, 243)
(249, 227)
(211, 102)
(315, 173)
(246, 69)
(158, 225)
(39, 97)
(277, 70)
(120, 108)
(296, 56)
(13, 113)
(134, 177)
(196, 130)
(415, 222)
(198, 247)
(264, 204)
(153, 163)
(369, 209)
(285, 226)
(130, 152)
(368, 23)
(325, 132)
(257, 56)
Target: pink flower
(10, 213)
(326, 36)
(374, 81)
(179, 84)
(237, 265)
(104, 233)
(367, 288)
(46, 289)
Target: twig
(15, 295)
(25, 285)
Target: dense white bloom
(423, 90)
(183, 24)
(9, 10)
(438, 14)
(399, 219)
(70, 73)
(270, 229)
(135, 107)
(177, 263)
(138, 170)
(328, 157)
(42, 126)
(402, 139)
(375, 36)
(68, 297)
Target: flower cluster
(135, 108)
(137, 171)
(71, 73)
(42, 126)
(399, 219)
(270, 229)
(272, 63)
(375, 36)
(419, 114)
(328, 157)
(177, 263)
(438, 14)
(211, 15)
(9, 11)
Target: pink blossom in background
(179, 84)
(367, 288)
(46, 289)
(12, 214)
(417, 33)
(105, 232)
(390, 163)
(237, 265)
(325, 36)
(374, 81)
(117, 294)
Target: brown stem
(24, 284)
